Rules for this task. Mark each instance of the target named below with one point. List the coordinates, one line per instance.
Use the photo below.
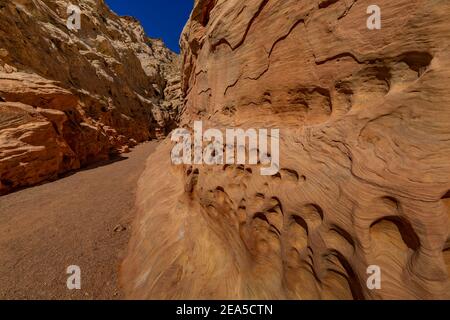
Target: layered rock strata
(365, 157)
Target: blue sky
(163, 19)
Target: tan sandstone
(365, 157)
(72, 98)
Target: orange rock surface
(70, 98)
(365, 157)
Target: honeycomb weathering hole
(417, 61)
(312, 211)
(344, 234)
(202, 12)
(290, 174)
(297, 235)
(446, 254)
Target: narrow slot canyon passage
(83, 219)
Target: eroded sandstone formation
(365, 157)
(70, 98)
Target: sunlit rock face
(69, 98)
(364, 157)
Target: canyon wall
(71, 98)
(364, 157)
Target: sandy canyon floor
(83, 219)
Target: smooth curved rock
(365, 157)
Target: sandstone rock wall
(70, 98)
(365, 157)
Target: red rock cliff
(70, 98)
